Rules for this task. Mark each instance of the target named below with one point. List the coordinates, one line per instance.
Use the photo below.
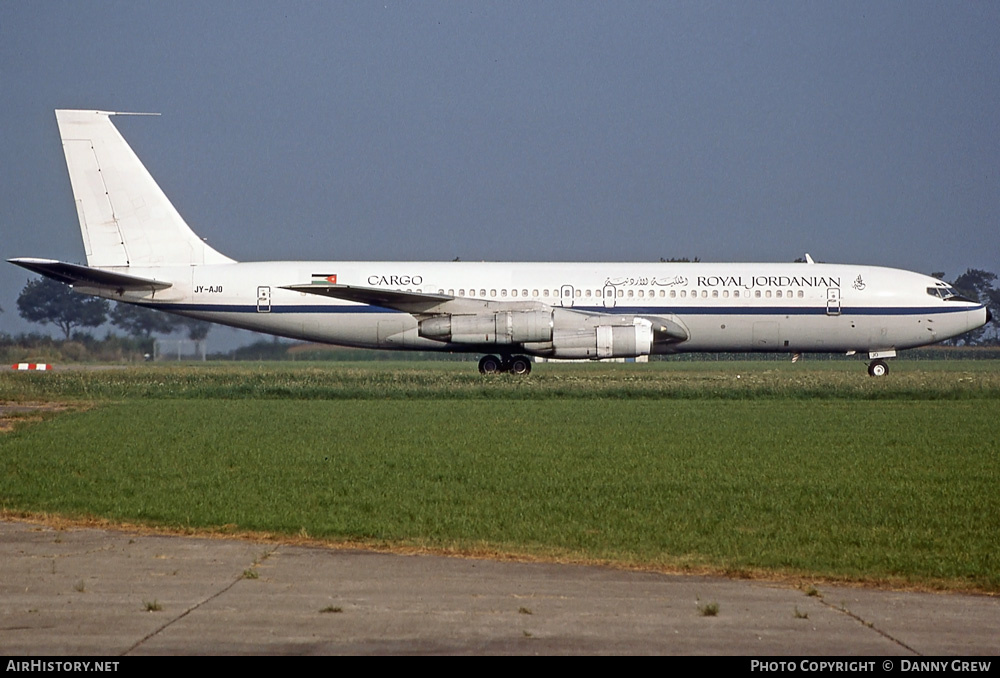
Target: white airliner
(140, 251)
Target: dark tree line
(46, 301)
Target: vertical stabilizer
(125, 218)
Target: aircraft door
(609, 296)
(833, 301)
(263, 299)
(566, 296)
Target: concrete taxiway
(114, 592)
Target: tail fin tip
(125, 218)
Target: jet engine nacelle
(553, 333)
(505, 327)
(627, 337)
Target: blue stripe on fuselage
(618, 310)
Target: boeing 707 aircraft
(140, 251)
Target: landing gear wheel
(878, 368)
(490, 364)
(519, 365)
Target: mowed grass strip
(712, 380)
(897, 491)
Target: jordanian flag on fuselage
(324, 279)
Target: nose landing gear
(878, 368)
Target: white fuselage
(773, 307)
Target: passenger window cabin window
(503, 293)
(621, 293)
(778, 294)
(756, 293)
(801, 294)
(482, 293)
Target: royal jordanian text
(767, 281)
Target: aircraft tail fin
(125, 219)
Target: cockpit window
(946, 292)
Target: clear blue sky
(861, 132)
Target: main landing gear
(518, 364)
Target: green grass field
(805, 470)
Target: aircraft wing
(414, 302)
(666, 328)
(86, 276)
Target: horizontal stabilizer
(85, 276)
